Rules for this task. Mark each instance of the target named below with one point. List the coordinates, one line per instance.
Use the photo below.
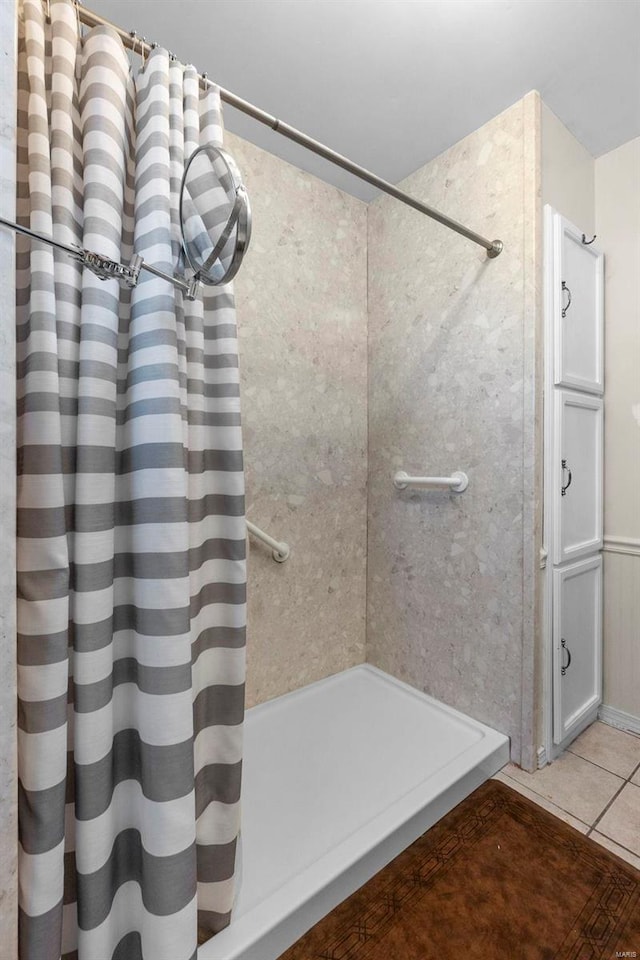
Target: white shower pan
(338, 778)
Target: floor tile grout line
(632, 775)
(599, 765)
(621, 845)
(611, 726)
(607, 807)
(592, 826)
(547, 800)
(591, 829)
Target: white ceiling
(393, 83)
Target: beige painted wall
(452, 372)
(8, 774)
(567, 173)
(302, 319)
(617, 183)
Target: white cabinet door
(578, 310)
(577, 503)
(577, 643)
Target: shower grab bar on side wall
(280, 550)
(457, 482)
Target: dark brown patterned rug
(498, 878)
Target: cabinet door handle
(565, 648)
(565, 288)
(565, 486)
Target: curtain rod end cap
(495, 249)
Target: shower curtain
(131, 579)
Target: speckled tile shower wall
(301, 305)
(451, 368)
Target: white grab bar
(457, 482)
(281, 550)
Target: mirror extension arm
(103, 267)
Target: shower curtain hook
(143, 42)
(134, 40)
(78, 19)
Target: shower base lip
(382, 762)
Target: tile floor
(594, 786)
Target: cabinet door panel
(577, 644)
(579, 333)
(578, 475)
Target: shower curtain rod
(142, 46)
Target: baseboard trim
(627, 545)
(619, 719)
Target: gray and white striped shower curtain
(130, 518)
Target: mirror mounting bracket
(193, 286)
(106, 269)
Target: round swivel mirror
(215, 215)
